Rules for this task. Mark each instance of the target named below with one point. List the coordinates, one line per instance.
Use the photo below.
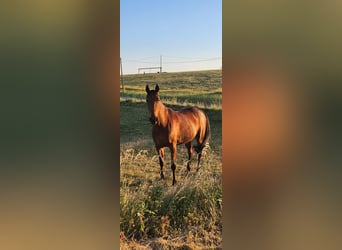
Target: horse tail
(206, 138)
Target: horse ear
(157, 88)
(147, 88)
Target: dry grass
(157, 215)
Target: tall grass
(152, 210)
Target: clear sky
(187, 33)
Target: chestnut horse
(171, 128)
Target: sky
(186, 34)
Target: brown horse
(171, 128)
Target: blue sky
(187, 33)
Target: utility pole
(121, 73)
(160, 63)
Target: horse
(171, 128)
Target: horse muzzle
(153, 120)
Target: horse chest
(161, 136)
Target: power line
(138, 61)
(142, 60)
(192, 61)
(190, 58)
(162, 61)
(148, 57)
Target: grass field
(194, 88)
(154, 214)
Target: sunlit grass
(199, 88)
(152, 209)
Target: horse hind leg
(189, 148)
(161, 161)
(199, 149)
(198, 160)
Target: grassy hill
(197, 87)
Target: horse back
(188, 123)
(183, 126)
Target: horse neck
(162, 114)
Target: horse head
(153, 103)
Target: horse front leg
(161, 161)
(173, 150)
